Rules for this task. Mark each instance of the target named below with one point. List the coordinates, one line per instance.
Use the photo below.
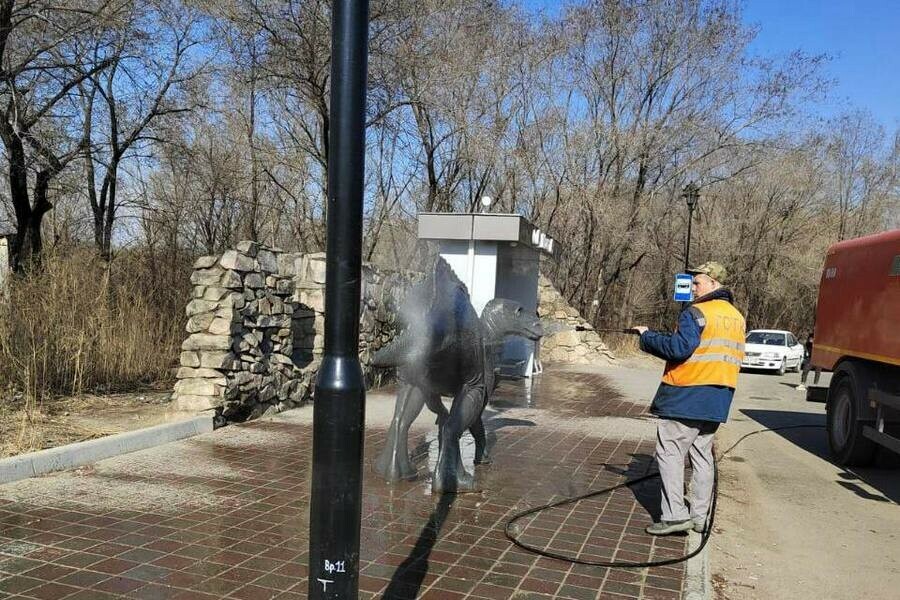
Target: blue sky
(862, 37)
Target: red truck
(857, 336)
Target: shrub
(80, 324)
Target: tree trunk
(106, 248)
(18, 189)
(252, 227)
(32, 242)
(27, 244)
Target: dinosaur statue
(445, 349)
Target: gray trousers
(675, 439)
(807, 365)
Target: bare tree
(660, 93)
(861, 170)
(42, 61)
(149, 68)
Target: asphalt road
(790, 523)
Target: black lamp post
(690, 193)
(339, 410)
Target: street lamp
(690, 193)
(339, 416)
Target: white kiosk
(5, 240)
(496, 256)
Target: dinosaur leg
(477, 428)
(393, 463)
(433, 401)
(481, 453)
(449, 475)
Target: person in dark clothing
(703, 358)
(807, 365)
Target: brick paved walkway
(225, 515)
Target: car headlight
(771, 355)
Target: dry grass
(67, 420)
(83, 324)
(621, 345)
(25, 428)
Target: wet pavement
(225, 514)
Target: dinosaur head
(503, 317)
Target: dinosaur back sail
(437, 314)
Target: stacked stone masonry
(256, 329)
(570, 338)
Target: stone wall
(256, 329)
(570, 338)
(380, 295)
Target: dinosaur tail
(395, 354)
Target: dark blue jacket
(700, 402)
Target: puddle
(16, 548)
(571, 394)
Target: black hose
(624, 564)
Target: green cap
(711, 269)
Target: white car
(772, 349)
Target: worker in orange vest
(703, 359)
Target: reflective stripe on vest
(717, 359)
(721, 342)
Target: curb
(70, 456)
(697, 585)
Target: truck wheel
(845, 437)
(783, 367)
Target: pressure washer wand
(628, 330)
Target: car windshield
(766, 337)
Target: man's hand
(640, 329)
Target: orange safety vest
(717, 360)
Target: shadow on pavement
(813, 440)
(647, 493)
(494, 423)
(408, 578)
(406, 582)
